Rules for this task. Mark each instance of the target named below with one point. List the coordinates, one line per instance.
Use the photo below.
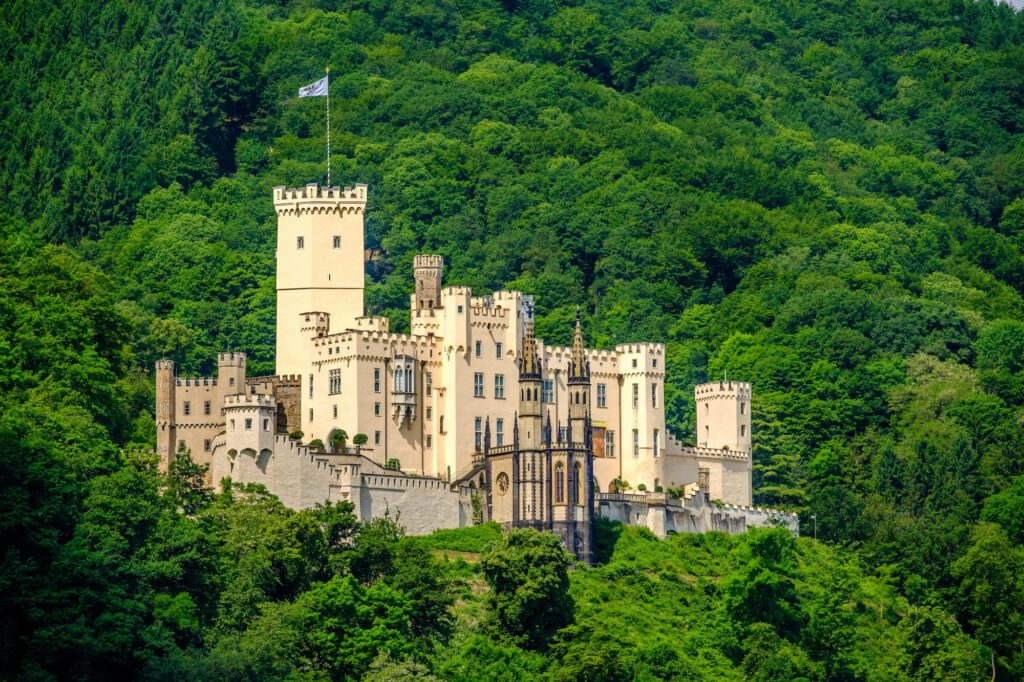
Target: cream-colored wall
(317, 277)
(723, 415)
(501, 503)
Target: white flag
(317, 89)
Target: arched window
(559, 483)
(578, 483)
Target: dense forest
(825, 199)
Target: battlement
(375, 323)
(718, 389)
(510, 296)
(165, 365)
(427, 261)
(456, 291)
(278, 380)
(314, 192)
(243, 400)
(315, 322)
(231, 359)
(195, 381)
(715, 453)
(488, 311)
(593, 355)
(644, 347)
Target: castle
(468, 417)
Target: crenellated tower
(166, 436)
(319, 263)
(427, 271)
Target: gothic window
(478, 434)
(654, 395)
(206, 407)
(602, 395)
(559, 483)
(300, 243)
(498, 347)
(499, 386)
(399, 380)
(337, 241)
(188, 407)
(636, 396)
(547, 394)
(376, 380)
(478, 384)
(577, 483)
(501, 483)
(655, 442)
(499, 431)
(636, 443)
(334, 379)
(609, 444)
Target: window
(743, 430)
(559, 483)
(206, 445)
(478, 437)
(376, 409)
(609, 444)
(478, 348)
(498, 347)
(577, 483)
(310, 385)
(231, 381)
(478, 384)
(334, 411)
(430, 384)
(636, 443)
(337, 241)
(602, 395)
(300, 243)
(636, 396)
(563, 433)
(376, 437)
(655, 442)
(430, 413)
(266, 424)
(311, 414)
(376, 380)
(334, 381)
(547, 391)
(232, 424)
(206, 407)
(181, 445)
(499, 431)
(654, 363)
(188, 407)
(248, 425)
(460, 310)
(430, 441)
(634, 363)
(499, 386)
(743, 408)
(654, 395)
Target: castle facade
(467, 406)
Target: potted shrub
(339, 440)
(359, 440)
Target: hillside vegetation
(824, 198)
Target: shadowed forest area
(825, 199)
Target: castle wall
(664, 515)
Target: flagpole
(328, 69)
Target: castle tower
(723, 440)
(723, 415)
(166, 436)
(579, 388)
(231, 373)
(319, 263)
(530, 417)
(427, 271)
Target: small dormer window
(300, 243)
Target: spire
(529, 363)
(579, 366)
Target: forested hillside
(825, 199)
